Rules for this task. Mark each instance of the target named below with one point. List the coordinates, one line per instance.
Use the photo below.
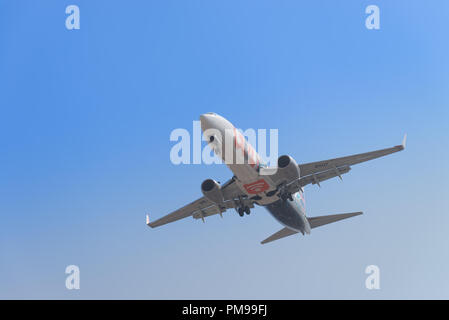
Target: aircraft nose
(206, 121)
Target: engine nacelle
(212, 190)
(288, 169)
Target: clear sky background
(86, 117)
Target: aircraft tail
(314, 222)
(322, 220)
(280, 234)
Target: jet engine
(212, 190)
(288, 169)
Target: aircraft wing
(320, 166)
(315, 172)
(204, 207)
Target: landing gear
(242, 210)
(285, 195)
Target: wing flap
(317, 178)
(285, 232)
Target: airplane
(279, 190)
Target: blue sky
(85, 126)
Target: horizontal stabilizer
(280, 234)
(322, 220)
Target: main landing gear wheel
(285, 196)
(240, 211)
(247, 210)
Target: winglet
(148, 220)
(404, 141)
(402, 146)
